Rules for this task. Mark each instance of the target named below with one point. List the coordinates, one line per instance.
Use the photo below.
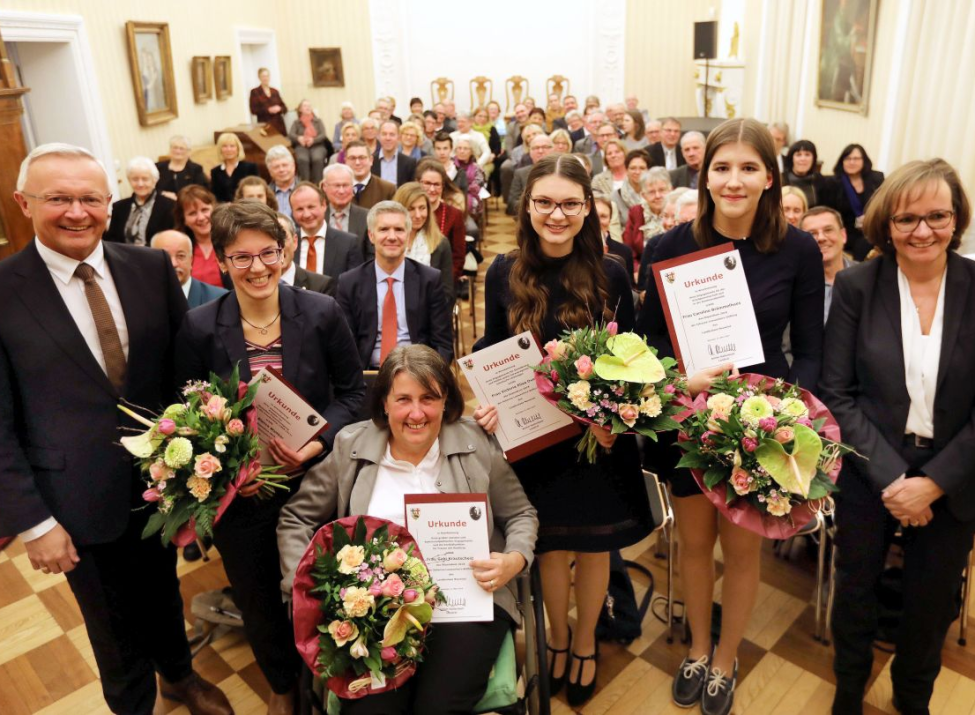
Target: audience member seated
(443, 152)
(281, 166)
(224, 177)
(671, 215)
(853, 182)
(138, 218)
(254, 187)
(390, 163)
(368, 189)
(513, 133)
(614, 114)
(634, 130)
(179, 170)
(633, 105)
(780, 137)
(497, 121)
(614, 159)
(430, 130)
(310, 143)
(619, 251)
(541, 146)
(561, 141)
(667, 153)
(793, 204)
(194, 204)
(628, 194)
(588, 144)
(394, 300)
(692, 151)
(410, 134)
(342, 214)
(484, 127)
(426, 244)
(592, 102)
(294, 275)
(801, 171)
(180, 249)
(346, 116)
(441, 117)
(449, 116)
(554, 112)
(266, 103)
(337, 251)
(374, 464)
(575, 125)
(369, 128)
(433, 178)
(645, 220)
(465, 127)
(826, 226)
(350, 133)
(416, 105)
(385, 106)
(466, 160)
(653, 132)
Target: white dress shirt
(399, 293)
(922, 356)
(319, 248)
(396, 478)
(72, 290)
(670, 158)
(186, 287)
(288, 276)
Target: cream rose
(629, 414)
(357, 602)
(350, 558)
(206, 465)
(342, 632)
(578, 394)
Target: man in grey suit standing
(321, 249)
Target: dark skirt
(587, 507)
(661, 458)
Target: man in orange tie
(321, 248)
(394, 300)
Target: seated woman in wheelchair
(417, 442)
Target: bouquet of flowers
(362, 600)
(196, 455)
(599, 377)
(764, 452)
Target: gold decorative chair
(482, 92)
(515, 88)
(557, 84)
(442, 89)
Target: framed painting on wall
(151, 62)
(845, 54)
(222, 77)
(326, 67)
(202, 79)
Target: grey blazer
(342, 485)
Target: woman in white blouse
(417, 442)
(899, 376)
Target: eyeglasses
(358, 158)
(431, 184)
(569, 207)
(905, 223)
(243, 261)
(63, 201)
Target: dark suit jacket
(318, 352)
(681, 176)
(192, 173)
(624, 253)
(587, 146)
(863, 378)
(224, 186)
(59, 422)
(656, 154)
(356, 223)
(201, 293)
(518, 184)
(578, 134)
(316, 282)
(341, 252)
(160, 218)
(376, 190)
(405, 166)
(427, 312)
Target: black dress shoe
(576, 693)
(719, 692)
(198, 695)
(907, 710)
(689, 681)
(555, 684)
(847, 703)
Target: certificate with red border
(283, 413)
(708, 309)
(451, 531)
(502, 375)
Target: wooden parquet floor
(46, 663)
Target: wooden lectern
(16, 230)
(257, 139)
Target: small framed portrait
(222, 79)
(326, 67)
(151, 62)
(202, 79)
(846, 53)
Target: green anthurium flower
(631, 361)
(793, 472)
(143, 445)
(410, 615)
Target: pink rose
(629, 414)
(768, 424)
(556, 349)
(741, 481)
(749, 444)
(706, 438)
(612, 328)
(160, 472)
(670, 389)
(584, 367)
(393, 587)
(394, 560)
(410, 595)
(554, 376)
(206, 465)
(805, 422)
(235, 427)
(151, 495)
(376, 588)
(216, 408)
(166, 426)
(388, 653)
(784, 435)
(774, 401)
(342, 632)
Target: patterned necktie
(339, 221)
(388, 341)
(108, 336)
(311, 259)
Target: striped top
(262, 356)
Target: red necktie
(311, 260)
(389, 322)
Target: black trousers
(452, 677)
(247, 539)
(934, 558)
(129, 596)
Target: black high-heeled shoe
(555, 684)
(576, 693)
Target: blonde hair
(798, 193)
(231, 138)
(406, 196)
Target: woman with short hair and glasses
(262, 323)
(900, 379)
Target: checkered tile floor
(46, 663)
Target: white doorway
(257, 47)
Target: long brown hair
(406, 195)
(583, 276)
(769, 226)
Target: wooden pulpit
(257, 139)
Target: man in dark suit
(667, 152)
(390, 164)
(321, 249)
(394, 300)
(179, 247)
(86, 324)
(692, 152)
(342, 214)
(368, 190)
(294, 275)
(541, 147)
(592, 145)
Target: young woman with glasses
(559, 277)
(259, 324)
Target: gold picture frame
(222, 77)
(326, 66)
(202, 79)
(846, 41)
(151, 63)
